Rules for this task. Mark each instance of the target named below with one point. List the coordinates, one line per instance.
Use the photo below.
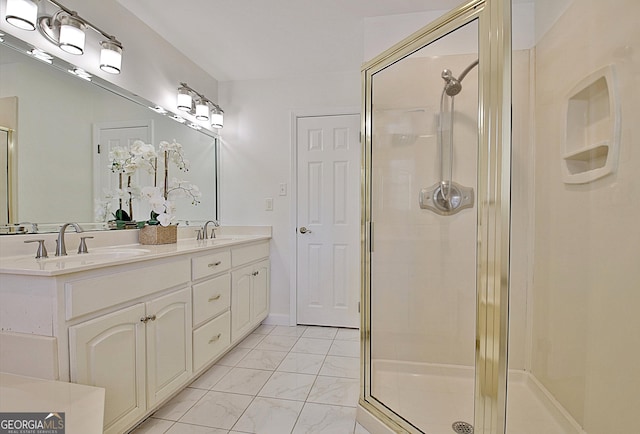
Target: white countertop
(108, 256)
(82, 405)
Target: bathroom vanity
(140, 321)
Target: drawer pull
(215, 338)
(214, 264)
(215, 297)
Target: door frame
(293, 192)
(99, 126)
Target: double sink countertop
(109, 255)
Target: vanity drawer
(211, 297)
(246, 254)
(210, 340)
(96, 293)
(208, 265)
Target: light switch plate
(283, 189)
(268, 204)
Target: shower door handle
(304, 230)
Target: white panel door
(123, 134)
(328, 220)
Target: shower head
(452, 85)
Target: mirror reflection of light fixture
(204, 109)
(22, 14)
(66, 29)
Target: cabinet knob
(255, 273)
(215, 264)
(152, 317)
(215, 338)
(215, 297)
(144, 319)
(148, 318)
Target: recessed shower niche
(592, 128)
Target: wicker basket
(157, 234)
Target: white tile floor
(277, 380)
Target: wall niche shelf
(592, 128)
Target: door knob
(304, 230)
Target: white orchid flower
(164, 219)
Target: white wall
(256, 157)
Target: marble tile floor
(277, 380)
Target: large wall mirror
(59, 120)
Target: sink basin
(94, 256)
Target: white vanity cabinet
(249, 289)
(141, 329)
(140, 354)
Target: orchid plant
(161, 199)
(126, 160)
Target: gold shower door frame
(493, 208)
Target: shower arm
(468, 69)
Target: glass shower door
(423, 178)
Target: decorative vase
(157, 234)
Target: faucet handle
(82, 248)
(213, 232)
(42, 250)
(199, 234)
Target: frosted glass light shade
(22, 14)
(72, 35)
(217, 119)
(110, 57)
(202, 110)
(184, 100)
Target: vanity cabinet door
(109, 352)
(249, 298)
(241, 283)
(260, 292)
(169, 349)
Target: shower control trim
(446, 198)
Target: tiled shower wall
(586, 346)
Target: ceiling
(257, 39)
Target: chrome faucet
(216, 225)
(61, 249)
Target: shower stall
(501, 245)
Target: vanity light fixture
(203, 109)
(185, 101)
(22, 13)
(71, 37)
(111, 56)
(66, 29)
(217, 117)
